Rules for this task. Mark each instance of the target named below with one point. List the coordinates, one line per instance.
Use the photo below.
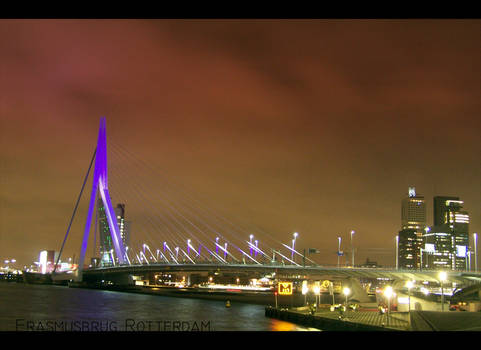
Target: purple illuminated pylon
(100, 183)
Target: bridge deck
(427, 275)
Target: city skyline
(310, 126)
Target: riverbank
(417, 321)
(332, 321)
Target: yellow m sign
(285, 288)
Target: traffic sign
(285, 288)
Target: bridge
(194, 240)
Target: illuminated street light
(409, 285)
(388, 292)
(397, 252)
(475, 235)
(421, 250)
(305, 289)
(346, 291)
(338, 251)
(317, 291)
(352, 249)
(442, 279)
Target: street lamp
(346, 291)
(305, 289)
(397, 252)
(352, 249)
(317, 291)
(409, 285)
(426, 229)
(388, 293)
(475, 235)
(338, 251)
(442, 279)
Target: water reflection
(40, 302)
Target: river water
(25, 307)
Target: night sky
(314, 126)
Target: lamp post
(346, 291)
(475, 235)
(305, 289)
(409, 285)
(397, 252)
(352, 249)
(442, 278)
(317, 291)
(426, 229)
(338, 251)
(388, 294)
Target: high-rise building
(447, 243)
(438, 247)
(413, 223)
(106, 244)
(439, 209)
(413, 211)
(409, 248)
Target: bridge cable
(74, 211)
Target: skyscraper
(439, 209)
(413, 211)
(106, 245)
(447, 244)
(124, 226)
(413, 223)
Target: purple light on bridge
(100, 183)
(250, 246)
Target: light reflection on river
(37, 304)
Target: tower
(413, 223)
(100, 185)
(448, 242)
(106, 244)
(439, 208)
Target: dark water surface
(46, 307)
